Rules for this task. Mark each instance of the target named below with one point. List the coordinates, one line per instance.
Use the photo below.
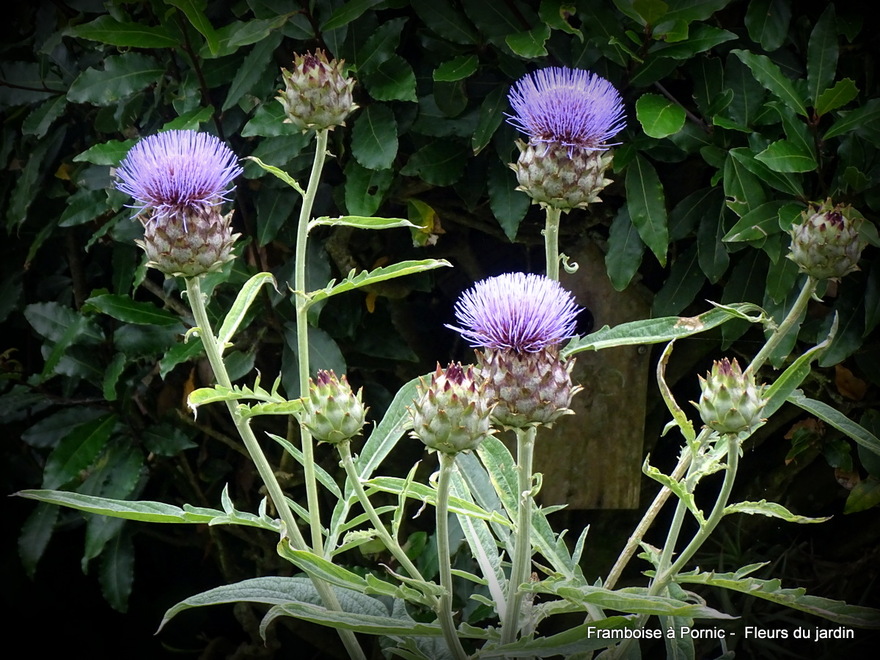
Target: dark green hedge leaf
(392, 80)
(659, 116)
(625, 250)
(767, 22)
(508, 204)
(108, 30)
(438, 163)
(106, 153)
(76, 451)
(822, 53)
(122, 75)
(491, 116)
(365, 189)
(347, 13)
(194, 12)
(530, 43)
(458, 68)
(647, 206)
(787, 156)
(836, 97)
(771, 77)
(374, 137)
(123, 308)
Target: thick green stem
(215, 358)
(302, 335)
(551, 242)
(444, 607)
(389, 541)
(793, 317)
(522, 549)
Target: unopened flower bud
(561, 177)
(188, 244)
(528, 388)
(451, 413)
(316, 92)
(826, 244)
(730, 402)
(332, 412)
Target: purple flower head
(524, 313)
(570, 107)
(178, 171)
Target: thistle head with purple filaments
(519, 312)
(177, 173)
(568, 107)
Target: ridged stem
(214, 352)
(444, 607)
(522, 549)
(302, 335)
(551, 242)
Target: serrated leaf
(647, 206)
(458, 68)
(797, 599)
(108, 30)
(35, 535)
(771, 510)
(144, 511)
(360, 222)
(122, 75)
(771, 77)
(278, 173)
(836, 97)
(243, 301)
(374, 137)
(787, 156)
(838, 420)
(123, 308)
(41, 118)
(655, 331)
(786, 183)
(365, 278)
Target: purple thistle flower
(177, 171)
(569, 107)
(524, 313)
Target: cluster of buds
(316, 93)
(332, 412)
(179, 180)
(826, 244)
(730, 401)
(569, 116)
(451, 413)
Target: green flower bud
(451, 414)
(561, 177)
(316, 92)
(528, 388)
(332, 412)
(730, 402)
(188, 243)
(826, 244)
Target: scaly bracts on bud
(826, 244)
(569, 116)
(332, 412)
(451, 413)
(730, 401)
(179, 180)
(520, 320)
(316, 93)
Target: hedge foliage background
(739, 113)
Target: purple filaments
(520, 312)
(178, 171)
(569, 107)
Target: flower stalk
(522, 550)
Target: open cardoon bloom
(178, 171)
(569, 116)
(178, 180)
(570, 107)
(521, 312)
(520, 320)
